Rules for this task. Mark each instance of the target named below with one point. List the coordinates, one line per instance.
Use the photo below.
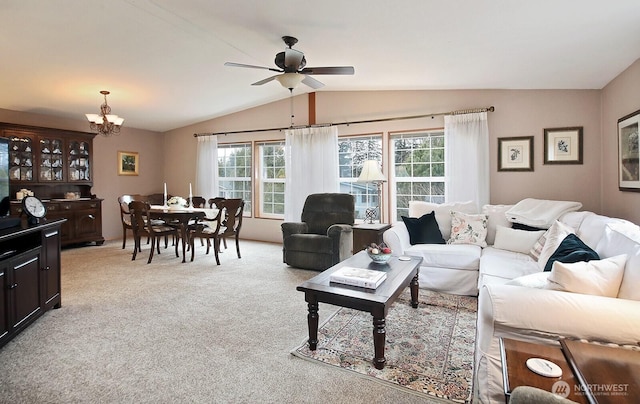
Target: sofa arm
(542, 314)
(289, 228)
(341, 236)
(397, 238)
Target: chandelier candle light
(105, 123)
(371, 173)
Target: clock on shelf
(34, 209)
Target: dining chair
(228, 223)
(125, 215)
(143, 226)
(198, 202)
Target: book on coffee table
(362, 277)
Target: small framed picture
(128, 163)
(515, 153)
(563, 145)
(628, 160)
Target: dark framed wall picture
(563, 145)
(515, 153)
(628, 163)
(128, 163)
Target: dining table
(181, 218)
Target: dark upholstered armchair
(324, 236)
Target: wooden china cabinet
(56, 164)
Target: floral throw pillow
(468, 229)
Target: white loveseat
(515, 298)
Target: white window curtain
(207, 167)
(311, 164)
(467, 157)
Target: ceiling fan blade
(264, 81)
(292, 60)
(232, 64)
(328, 70)
(311, 82)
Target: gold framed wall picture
(515, 153)
(128, 163)
(563, 145)
(628, 159)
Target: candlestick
(165, 194)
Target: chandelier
(105, 123)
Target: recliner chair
(324, 236)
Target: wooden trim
(312, 108)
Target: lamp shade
(290, 80)
(371, 172)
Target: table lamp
(371, 173)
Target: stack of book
(362, 277)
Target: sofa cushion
(496, 215)
(458, 256)
(536, 280)
(500, 266)
(595, 277)
(516, 240)
(423, 230)
(443, 212)
(468, 229)
(552, 239)
(572, 249)
(624, 239)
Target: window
(352, 153)
(272, 179)
(419, 169)
(234, 172)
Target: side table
(366, 233)
(516, 373)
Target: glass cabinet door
(79, 169)
(51, 165)
(21, 158)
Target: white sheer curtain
(207, 167)
(311, 164)
(467, 149)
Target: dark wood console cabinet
(29, 275)
(53, 163)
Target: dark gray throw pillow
(423, 230)
(572, 249)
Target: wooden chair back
(215, 202)
(232, 221)
(198, 202)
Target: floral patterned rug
(428, 350)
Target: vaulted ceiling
(163, 60)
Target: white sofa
(515, 299)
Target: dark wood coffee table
(400, 274)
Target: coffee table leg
(379, 336)
(312, 320)
(414, 291)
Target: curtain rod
(459, 112)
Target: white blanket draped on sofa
(540, 213)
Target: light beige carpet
(169, 332)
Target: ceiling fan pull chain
(291, 105)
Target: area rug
(429, 350)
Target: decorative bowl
(379, 258)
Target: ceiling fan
(291, 66)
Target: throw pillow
(520, 226)
(443, 212)
(549, 242)
(520, 241)
(468, 229)
(423, 230)
(496, 215)
(596, 277)
(571, 249)
(537, 280)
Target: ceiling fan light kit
(291, 64)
